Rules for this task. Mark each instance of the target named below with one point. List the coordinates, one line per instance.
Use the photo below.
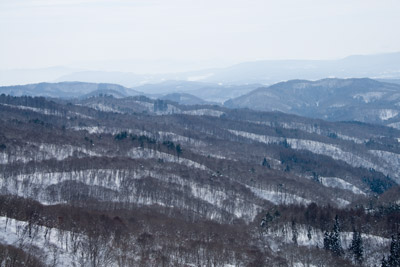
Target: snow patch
(386, 114)
(389, 163)
(145, 153)
(15, 233)
(370, 96)
(204, 112)
(180, 139)
(395, 125)
(43, 151)
(342, 202)
(279, 197)
(38, 110)
(340, 183)
(311, 129)
(102, 107)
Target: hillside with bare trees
(133, 181)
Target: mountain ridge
(359, 99)
(65, 89)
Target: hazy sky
(86, 33)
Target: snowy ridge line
(387, 156)
(48, 111)
(204, 112)
(111, 130)
(180, 139)
(164, 136)
(395, 125)
(318, 237)
(43, 151)
(387, 114)
(336, 182)
(38, 110)
(279, 197)
(150, 107)
(146, 153)
(211, 155)
(80, 115)
(118, 180)
(110, 178)
(342, 203)
(329, 150)
(102, 107)
(257, 137)
(241, 209)
(114, 179)
(310, 129)
(96, 129)
(390, 163)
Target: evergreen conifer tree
(332, 240)
(294, 232)
(394, 258)
(357, 247)
(327, 240)
(309, 233)
(336, 242)
(384, 262)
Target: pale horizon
(176, 36)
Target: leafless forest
(133, 181)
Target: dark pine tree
(294, 232)
(357, 247)
(265, 163)
(336, 243)
(385, 263)
(327, 240)
(394, 258)
(265, 222)
(332, 240)
(178, 150)
(309, 232)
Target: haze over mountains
(257, 72)
(264, 72)
(67, 90)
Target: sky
(160, 35)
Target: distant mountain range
(355, 99)
(364, 100)
(182, 92)
(207, 91)
(382, 66)
(185, 99)
(68, 90)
